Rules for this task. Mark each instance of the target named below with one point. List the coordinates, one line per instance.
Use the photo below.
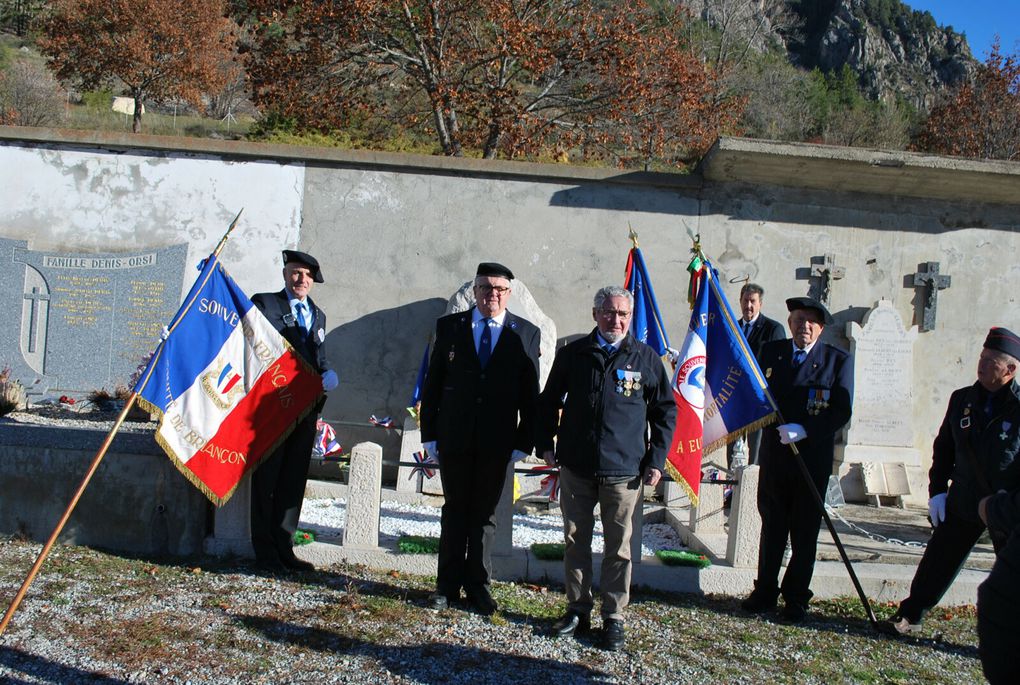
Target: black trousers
(472, 486)
(789, 511)
(277, 491)
(998, 622)
(947, 550)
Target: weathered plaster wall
(398, 234)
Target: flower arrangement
(676, 557)
(304, 537)
(418, 544)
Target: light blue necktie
(485, 343)
(301, 318)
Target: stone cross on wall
(929, 278)
(36, 298)
(825, 269)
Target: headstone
(364, 497)
(881, 427)
(410, 478)
(87, 320)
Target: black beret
(494, 269)
(306, 259)
(1003, 340)
(795, 303)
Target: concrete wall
(398, 234)
(137, 502)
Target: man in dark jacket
(278, 484)
(812, 382)
(617, 421)
(477, 412)
(999, 596)
(976, 448)
(758, 329)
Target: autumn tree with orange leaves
(503, 77)
(160, 49)
(981, 119)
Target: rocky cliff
(896, 50)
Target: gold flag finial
(633, 235)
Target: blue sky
(979, 19)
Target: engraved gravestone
(84, 321)
(881, 428)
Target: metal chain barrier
(873, 536)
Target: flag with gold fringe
(719, 390)
(227, 387)
(646, 321)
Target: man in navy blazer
(758, 329)
(812, 383)
(477, 412)
(278, 484)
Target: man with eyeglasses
(477, 412)
(612, 436)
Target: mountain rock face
(898, 52)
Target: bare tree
(30, 95)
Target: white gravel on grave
(327, 516)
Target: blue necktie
(302, 320)
(798, 357)
(485, 344)
(608, 349)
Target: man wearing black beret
(278, 484)
(812, 383)
(477, 412)
(974, 456)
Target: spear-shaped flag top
(646, 324)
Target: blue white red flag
(719, 390)
(646, 323)
(419, 383)
(325, 441)
(227, 388)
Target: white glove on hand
(518, 455)
(430, 448)
(329, 380)
(791, 432)
(674, 354)
(164, 334)
(937, 509)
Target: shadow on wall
(377, 357)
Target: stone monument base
(892, 464)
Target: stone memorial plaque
(883, 379)
(87, 319)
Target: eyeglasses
(498, 289)
(610, 313)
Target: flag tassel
(93, 467)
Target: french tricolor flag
(225, 384)
(719, 390)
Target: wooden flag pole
(93, 467)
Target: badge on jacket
(627, 382)
(818, 399)
(321, 335)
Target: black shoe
(612, 635)
(295, 564)
(793, 613)
(758, 603)
(481, 600)
(571, 623)
(439, 602)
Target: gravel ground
(92, 617)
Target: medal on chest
(627, 382)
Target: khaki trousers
(617, 502)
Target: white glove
(430, 448)
(791, 432)
(674, 354)
(329, 380)
(164, 334)
(518, 455)
(937, 509)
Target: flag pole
(93, 467)
(814, 493)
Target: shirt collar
(602, 342)
(477, 316)
(807, 350)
